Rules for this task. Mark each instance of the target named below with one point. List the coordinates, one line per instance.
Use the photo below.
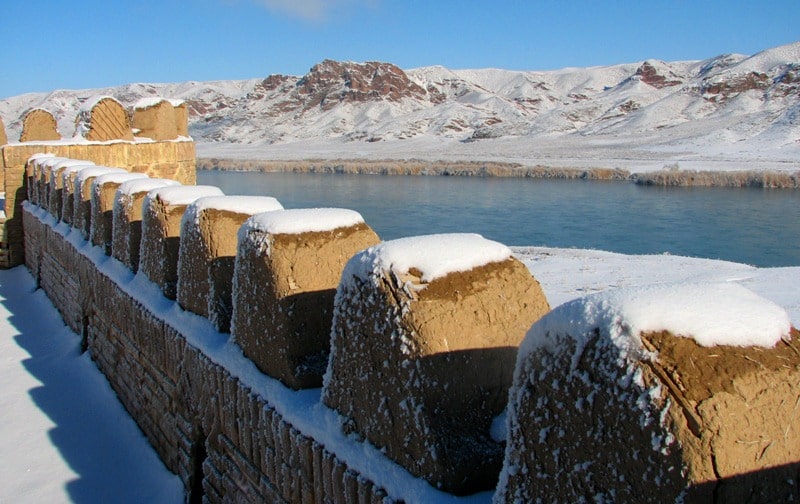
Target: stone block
(77, 151)
(154, 118)
(103, 119)
(187, 172)
(605, 407)
(209, 231)
(126, 229)
(82, 196)
(103, 192)
(288, 266)
(140, 155)
(68, 197)
(185, 151)
(162, 210)
(39, 125)
(43, 174)
(56, 184)
(424, 341)
(34, 168)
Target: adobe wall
(199, 417)
(169, 159)
(407, 349)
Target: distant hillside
(729, 107)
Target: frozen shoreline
(671, 177)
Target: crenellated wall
(103, 136)
(415, 362)
(232, 414)
(219, 431)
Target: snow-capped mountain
(725, 106)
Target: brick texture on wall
(225, 441)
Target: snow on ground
(64, 437)
(638, 155)
(68, 439)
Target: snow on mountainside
(731, 107)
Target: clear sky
(76, 44)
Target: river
(752, 226)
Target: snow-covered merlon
(181, 195)
(71, 171)
(251, 205)
(435, 255)
(94, 171)
(40, 156)
(51, 163)
(712, 314)
(301, 220)
(115, 178)
(68, 163)
(131, 187)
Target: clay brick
(420, 367)
(656, 414)
(185, 151)
(166, 384)
(155, 120)
(38, 125)
(162, 211)
(317, 479)
(208, 250)
(269, 466)
(286, 289)
(103, 191)
(104, 120)
(350, 487)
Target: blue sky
(63, 44)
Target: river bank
(670, 177)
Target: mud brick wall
(168, 159)
(225, 441)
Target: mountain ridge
(726, 106)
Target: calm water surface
(752, 226)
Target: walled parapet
(126, 233)
(288, 266)
(82, 196)
(424, 342)
(33, 170)
(103, 119)
(55, 184)
(39, 125)
(608, 406)
(160, 119)
(162, 210)
(68, 177)
(103, 137)
(43, 174)
(208, 252)
(103, 191)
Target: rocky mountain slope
(728, 106)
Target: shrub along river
(753, 226)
